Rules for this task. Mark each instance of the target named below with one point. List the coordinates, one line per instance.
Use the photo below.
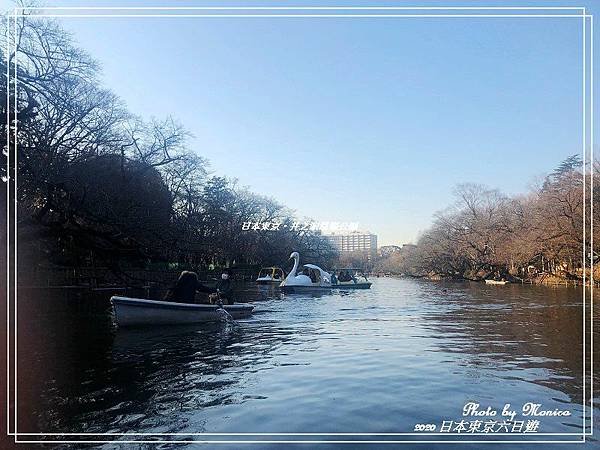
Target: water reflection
(377, 360)
(525, 327)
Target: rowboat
(350, 278)
(137, 311)
(352, 285)
(503, 282)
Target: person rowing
(185, 288)
(223, 290)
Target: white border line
(8, 177)
(583, 145)
(304, 16)
(15, 158)
(592, 225)
(287, 8)
(583, 15)
(300, 434)
(462, 442)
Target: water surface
(374, 361)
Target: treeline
(488, 234)
(99, 185)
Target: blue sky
(364, 120)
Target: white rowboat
(495, 282)
(137, 312)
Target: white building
(355, 242)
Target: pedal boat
(317, 279)
(270, 275)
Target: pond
(385, 360)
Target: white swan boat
(312, 277)
(137, 311)
(269, 275)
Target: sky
(369, 120)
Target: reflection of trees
(63, 339)
(78, 374)
(168, 375)
(517, 328)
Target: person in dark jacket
(345, 276)
(334, 279)
(185, 288)
(224, 288)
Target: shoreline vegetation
(99, 187)
(535, 237)
(104, 196)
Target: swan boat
(269, 275)
(137, 312)
(312, 277)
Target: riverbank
(541, 280)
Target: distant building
(355, 242)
